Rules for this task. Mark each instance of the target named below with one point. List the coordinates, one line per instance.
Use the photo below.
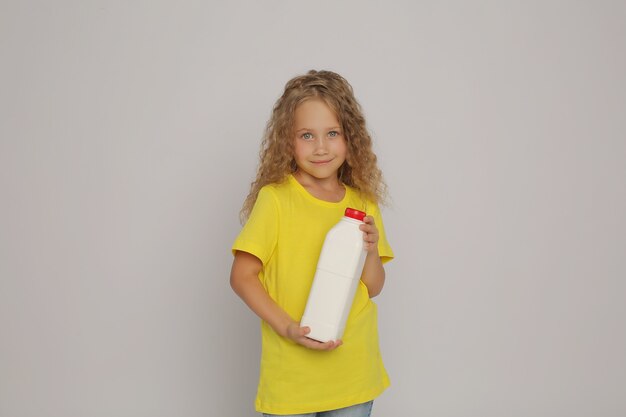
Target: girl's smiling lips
(321, 162)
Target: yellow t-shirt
(286, 230)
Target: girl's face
(319, 145)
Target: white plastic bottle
(336, 279)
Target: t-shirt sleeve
(384, 249)
(259, 234)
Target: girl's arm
(373, 272)
(244, 279)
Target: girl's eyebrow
(328, 128)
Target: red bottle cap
(355, 214)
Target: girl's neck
(326, 189)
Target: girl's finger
(314, 344)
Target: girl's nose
(321, 147)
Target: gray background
(129, 136)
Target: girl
(316, 160)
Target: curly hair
(360, 169)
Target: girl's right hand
(298, 335)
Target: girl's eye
(307, 136)
(333, 133)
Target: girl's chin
(318, 174)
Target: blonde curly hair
(360, 169)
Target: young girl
(316, 160)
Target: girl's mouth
(321, 162)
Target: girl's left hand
(370, 234)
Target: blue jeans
(359, 410)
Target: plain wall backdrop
(129, 135)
